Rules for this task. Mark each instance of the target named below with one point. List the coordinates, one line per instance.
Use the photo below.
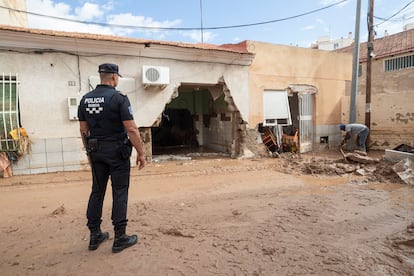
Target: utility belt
(124, 147)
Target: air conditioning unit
(155, 75)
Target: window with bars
(399, 63)
(9, 111)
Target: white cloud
(88, 12)
(128, 19)
(327, 2)
(309, 27)
(93, 13)
(48, 7)
(323, 25)
(108, 6)
(330, 2)
(136, 20)
(236, 39)
(195, 35)
(320, 21)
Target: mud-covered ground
(309, 214)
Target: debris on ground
(358, 156)
(59, 211)
(405, 170)
(373, 169)
(175, 232)
(399, 153)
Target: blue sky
(336, 21)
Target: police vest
(101, 109)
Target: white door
(305, 122)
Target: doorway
(201, 120)
(301, 103)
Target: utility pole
(370, 56)
(355, 65)
(201, 19)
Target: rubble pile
(375, 170)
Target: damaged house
(183, 95)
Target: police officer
(109, 131)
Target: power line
(178, 28)
(398, 19)
(394, 15)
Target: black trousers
(107, 163)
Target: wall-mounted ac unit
(155, 75)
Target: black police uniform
(104, 109)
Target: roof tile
(205, 46)
(386, 46)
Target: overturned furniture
(290, 142)
(269, 140)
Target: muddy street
(217, 216)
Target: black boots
(96, 239)
(122, 241)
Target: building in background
(314, 82)
(392, 90)
(328, 44)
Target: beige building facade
(323, 76)
(392, 91)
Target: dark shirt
(104, 109)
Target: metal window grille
(399, 63)
(9, 111)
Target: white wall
(44, 89)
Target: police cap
(109, 68)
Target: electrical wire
(395, 14)
(179, 28)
